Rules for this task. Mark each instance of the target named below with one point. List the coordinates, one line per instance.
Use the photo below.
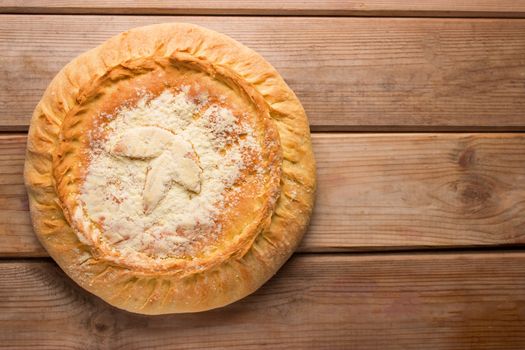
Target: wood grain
(16, 234)
(445, 8)
(376, 191)
(363, 74)
(431, 301)
(410, 190)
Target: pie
(169, 170)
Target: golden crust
(219, 284)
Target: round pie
(169, 170)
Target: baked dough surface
(169, 170)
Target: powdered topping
(157, 179)
(175, 161)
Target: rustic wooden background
(417, 242)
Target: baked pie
(169, 170)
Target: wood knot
(103, 323)
(467, 157)
(473, 191)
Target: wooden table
(417, 242)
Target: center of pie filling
(158, 181)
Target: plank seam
(306, 14)
(262, 13)
(384, 253)
(513, 248)
(23, 130)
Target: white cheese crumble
(112, 192)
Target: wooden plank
(410, 190)
(376, 191)
(434, 301)
(361, 74)
(438, 8)
(16, 233)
